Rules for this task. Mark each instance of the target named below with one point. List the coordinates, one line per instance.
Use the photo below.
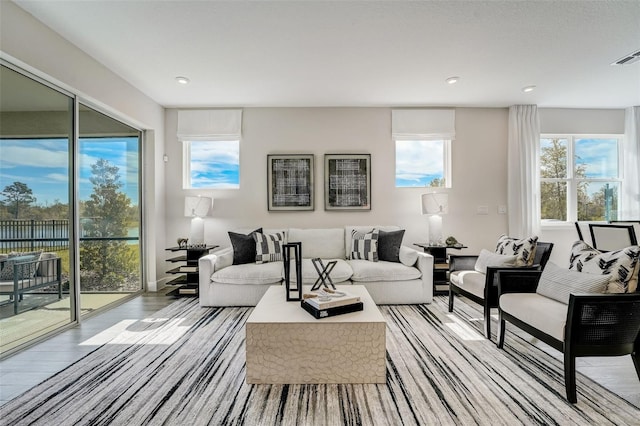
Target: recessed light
(182, 80)
(528, 89)
(452, 80)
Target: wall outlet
(502, 209)
(482, 210)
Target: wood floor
(31, 366)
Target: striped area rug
(186, 366)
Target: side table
(440, 265)
(188, 274)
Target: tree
(436, 182)
(16, 195)
(106, 264)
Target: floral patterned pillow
(621, 265)
(524, 249)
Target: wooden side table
(440, 265)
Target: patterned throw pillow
(620, 265)
(524, 250)
(558, 283)
(364, 245)
(24, 271)
(268, 247)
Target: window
(580, 177)
(423, 163)
(211, 164)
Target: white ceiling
(360, 53)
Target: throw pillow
(268, 247)
(487, 258)
(14, 261)
(558, 283)
(524, 249)
(244, 247)
(364, 245)
(619, 265)
(389, 245)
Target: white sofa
(407, 282)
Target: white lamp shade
(197, 206)
(435, 203)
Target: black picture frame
(290, 182)
(347, 182)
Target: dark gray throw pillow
(244, 247)
(389, 245)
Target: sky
(418, 162)
(43, 164)
(215, 164)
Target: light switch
(482, 210)
(502, 209)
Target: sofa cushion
(364, 246)
(268, 247)
(543, 313)
(365, 271)
(250, 273)
(471, 281)
(408, 256)
(389, 244)
(487, 258)
(619, 265)
(558, 283)
(524, 249)
(321, 243)
(340, 273)
(244, 247)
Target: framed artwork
(347, 182)
(290, 182)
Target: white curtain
(423, 124)
(631, 181)
(209, 125)
(523, 171)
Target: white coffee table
(285, 344)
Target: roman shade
(423, 124)
(209, 125)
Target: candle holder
(293, 293)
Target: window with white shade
(423, 140)
(211, 148)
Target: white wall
(25, 42)
(479, 173)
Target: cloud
(415, 160)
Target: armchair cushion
(471, 281)
(487, 258)
(27, 271)
(620, 266)
(545, 314)
(524, 249)
(558, 283)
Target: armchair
(483, 288)
(589, 325)
(27, 276)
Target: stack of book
(336, 305)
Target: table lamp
(435, 205)
(197, 208)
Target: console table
(187, 274)
(440, 265)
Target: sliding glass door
(69, 189)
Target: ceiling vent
(628, 59)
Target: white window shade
(210, 125)
(423, 124)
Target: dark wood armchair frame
(490, 298)
(597, 325)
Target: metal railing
(31, 234)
